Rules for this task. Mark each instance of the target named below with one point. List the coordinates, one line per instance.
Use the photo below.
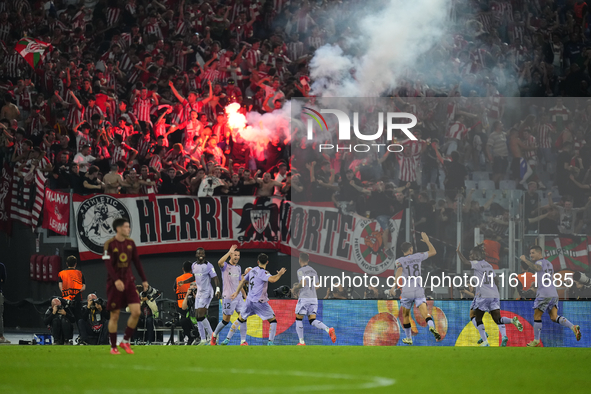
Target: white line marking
(368, 382)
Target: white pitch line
(370, 382)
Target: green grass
(283, 369)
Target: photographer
(93, 323)
(189, 322)
(149, 311)
(60, 319)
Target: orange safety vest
(71, 283)
(181, 290)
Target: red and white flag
(32, 50)
(56, 211)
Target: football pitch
(291, 369)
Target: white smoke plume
(389, 41)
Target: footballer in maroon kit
(121, 292)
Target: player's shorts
(120, 299)
(229, 306)
(545, 303)
(203, 300)
(407, 302)
(485, 304)
(261, 309)
(306, 306)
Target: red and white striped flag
(25, 206)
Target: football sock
(474, 322)
(537, 329)
(502, 330)
(407, 330)
(272, 331)
(128, 333)
(201, 329)
(430, 322)
(113, 339)
(220, 327)
(242, 326)
(505, 320)
(233, 329)
(319, 325)
(300, 330)
(482, 332)
(563, 321)
(207, 327)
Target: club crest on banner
(94, 220)
(368, 245)
(259, 221)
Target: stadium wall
(379, 323)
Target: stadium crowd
(132, 97)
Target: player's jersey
(411, 270)
(548, 270)
(308, 289)
(122, 253)
(203, 275)
(258, 280)
(485, 274)
(230, 279)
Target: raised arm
(464, 260)
(531, 265)
(275, 278)
(226, 256)
(210, 95)
(175, 92)
(432, 252)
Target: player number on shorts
(227, 305)
(415, 270)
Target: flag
(32, 50)
(5, 199)
(27, 196)
(568, 253)
(56, 211)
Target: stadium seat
(480, 176)
(486, 185)
(470, 184)
(507, 185)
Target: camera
(282, 292)
(582, 278)
(151, 293)
(65, 303)
(97, 302)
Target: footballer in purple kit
(308, 300)
(546, 295)
(257, 301)
(408, 267)
(203, 273)
(486, 297)
(231, 277)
